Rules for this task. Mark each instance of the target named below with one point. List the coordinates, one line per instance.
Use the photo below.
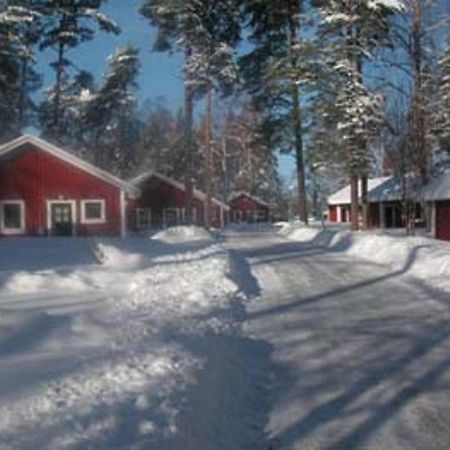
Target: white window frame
(73, 203)
(260, 215)
(177, 213)
(194, 215)
(237, 216)
(148, 213)
(181, 215)
(102, 219)
(3, 228)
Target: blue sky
(160, 73)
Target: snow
(439, 187)
(95, 336)
(342, 196)
(180, 234)
(422, 257)
(358, 352)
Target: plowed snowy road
(360, 356)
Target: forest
(351, 88)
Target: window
(260, 215)
(12, 217)
(177, 216)
(143, 218)
(171, 217)
(93, 211)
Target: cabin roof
(199, 195)
(65, 156)
(237, 194)
(342, 196)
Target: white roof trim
(342, 197)
(64, 156)
(199, 195)
(253, 197)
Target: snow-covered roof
(65, 156)
(439, 187)
(237, 194)
(199, 195)
(389, 191)
(342, 197)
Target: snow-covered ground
(183, 342)
(424, 258)
(96, 337)
(358, 353)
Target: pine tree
(198, 28)
(67, 24)
(176, 21)
(356, 29)
(280, 72)
(75, 96)
(441, 110)
(156, 137)
(111, 116)
(211, 68)
(17, 76)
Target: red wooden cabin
(385, 202)
(248, 208)
(162, 202)
(339, 202)
(45, 190)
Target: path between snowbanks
(110, 354)
(424, 258)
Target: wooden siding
(158, 195)
(35, 176)
(246, 207)
(374, 216)
(332, 213)
(443, 220)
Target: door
(389, 217)
(61, 219)
(171, 217)
(443, 220)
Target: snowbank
(96, 353)
(424, 258)
(183, 234)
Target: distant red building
(45, 190)
(162, 202)
(437, 195)
(248, 208)
(385, 202)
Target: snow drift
(424, 258)
(183, 234)
(97, 354)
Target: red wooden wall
(158, 195)
(246, 206)
(35, 176)
(443, 220)
(332, 213)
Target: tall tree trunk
(208, 158)
(418, 100)
(22, 97)
(57, 100)
(365, 201)
(354, 205)
(354, 165)
(188, 145)
(297, 124)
